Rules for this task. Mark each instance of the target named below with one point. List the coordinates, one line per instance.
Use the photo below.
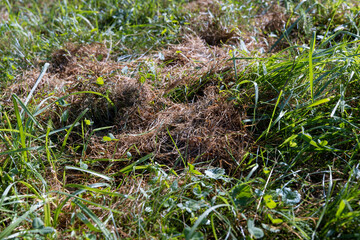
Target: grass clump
(177, 120)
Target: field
(178, 119)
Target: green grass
(298, 177)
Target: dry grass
(147, 115)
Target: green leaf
(46, 230)
(311, 69)
(288, 196)
(130, 167)
(96, 189)
(323, 143)
(38, 223)
(71, 128)
(292, 144)
(307, 137)
(256, 232)
(215, 173)
(241, 194)
(100, 81)
(109, 137)
(193, 170)
(106, 139)
(86, 221)
(276, 220)
(340, 208)
(318, 102)
(60, 206)
(289, 139)
(31, 116)
(87, 122)
(47, 213)
(42, 231)
(269, 201)
(190, 206)
(64, 116)
(22, 150)
(22, 131)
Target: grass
(179, 120)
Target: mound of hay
(143, 113)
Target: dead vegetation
(207, 24)
(146, 116)
(168, 102)
(267, 26)
(272, 23)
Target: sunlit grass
(297, 179)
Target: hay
(145, 118)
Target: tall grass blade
(311, 70)
(24, 108)
(99, 224)
(191, 233)
(72, 126)
(21, 128)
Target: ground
(179, 120)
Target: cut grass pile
(179, 120)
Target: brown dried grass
(207, 26)
(191, 60)
(209, 128)
(271, 22)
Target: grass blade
(21, 128)
(72, 126)
(90, 172)
(100, 224)
(311, 70)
